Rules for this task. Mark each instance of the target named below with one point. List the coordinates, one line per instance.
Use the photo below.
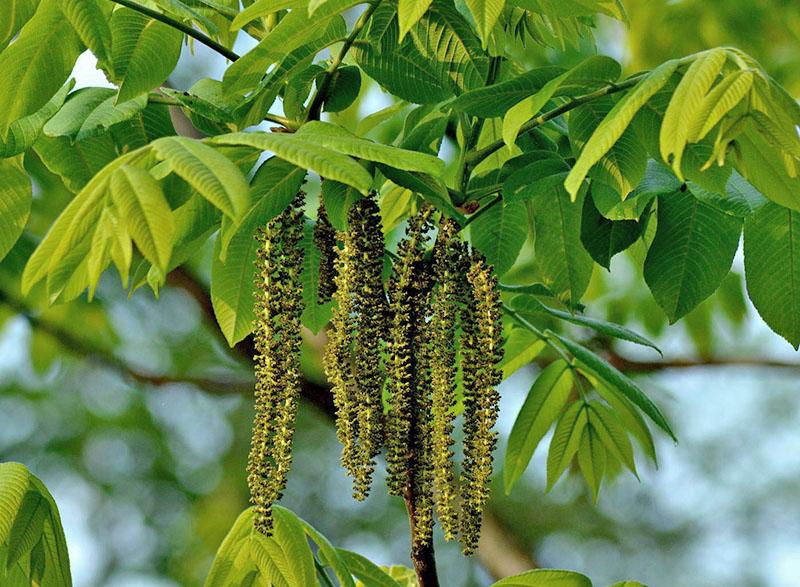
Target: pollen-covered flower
(443, 370)
(481, 353)
(276, 328)
(325, 241)
(408, 289)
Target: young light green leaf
(16, 194)
(14, 481)
(624, 165)
(89, 18)
(617, 380)
(329, 555)
(521, 347)
(13, 15)
(486, 13)
(545, 578)
(338, 139)
(612, 434)
(28, 526)
(31, 67)
(566, 440)
(409, 12)
(772, 268)
(614, 125)
(719, 102)
(145, 212)
(262, 8)
(582, 78)
(592, 459)
(367, 572)
(545, 401)
(630, 417)
(306, 154)
(691, 254)
(499, 234)
(144, 52)
(686, 102)
(212, 174)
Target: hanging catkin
(325, 241)
(369, 304)
(482, 352)
(407, 292)
(278, 307)
(443, 369)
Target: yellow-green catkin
(371, 312)
(278, 307)
(325, 241)
(337, 358)
(443, 371)
(407, 289)
(481, 353)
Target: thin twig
(315, 107)
(184, 28)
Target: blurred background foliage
(137, 415)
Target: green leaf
(603, 238)
(28, 526)
(520, 348)
(305, 153)
(616, 122)
(623, 166)
(628, 415)
(294, 30)
(530, 305)
(685, 104)
(499, 233)
(283, 560)
(762, 166)
(592, 459)
(566, 440)
(616, 380)
(772, 268)
(495, 100)
(338, 198)
(628, 584)
(545, 401)
(90, 18)
(367, 572)
(582, 78)
(273, 187)
(344, 89)
(13, 15)
(16, 194)
(545, 578)
(262, 8)
(145, 212)
(409, 12)
(14, 481)
(430, 188)
(23, 132)
(612, 434)
(92, 111)
(330, 556)
(441, 57)
(691, 254)
(31, 72)
(208, 171)
(144, 52)
(485, 13)
(565, 266)
(336, 138)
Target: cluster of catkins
(394, 358)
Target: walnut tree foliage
(576, 165)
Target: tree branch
(184, 28)
(499, 551)
(315, 107)
(477, 156)
(633, 366)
